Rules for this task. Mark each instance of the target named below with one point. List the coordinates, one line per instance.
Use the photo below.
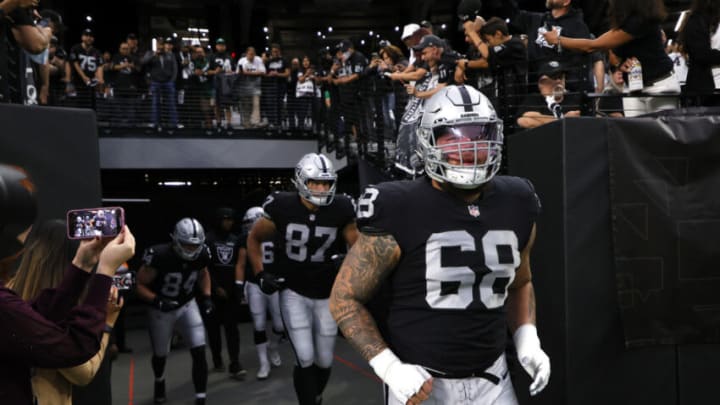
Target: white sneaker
(275, 359)
(264, 371)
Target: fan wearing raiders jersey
(454, 251)
(224, 245)
(86, 68)
(167, 280)
(312, 225)
(261, 304)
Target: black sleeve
(271, 206)
(374, 211)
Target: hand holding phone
(104, 222)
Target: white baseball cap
(408, 30)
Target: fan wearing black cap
(163, 68)
(348, 80)
(224, 245)
(85, 61)
(439, 64)
(53, 332)
(553, 102)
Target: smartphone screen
(90, 223)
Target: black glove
(165, 304)
(207, 306)
(269, 283)
(239, 292)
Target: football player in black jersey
(167, 281)
(224, 245)
(312, 225)
(260, 303)
(457, 278)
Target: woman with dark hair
(634, 35)
(696, 39)
(47, 254)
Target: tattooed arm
(367, 264)
(521, 295)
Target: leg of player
(191, 327)
(273, 302)
(297, 316)
(257, 303)
(212, 325)
(324, 333)
(232, 337)
(161, 327)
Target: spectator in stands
(304, 93)
(679, 58)
(503, 54)
(277, 75)
(611, 103)
(43, 264)
(200, 88)
(440, 64)
(701, 39)
(348, 80)
(553, 102)
(293, 109)
(162, 67)
(223, 76)
(184, 58)
(86, 68)
(250, 69)
(569, 21)
(410, 39)
(635, 35)
(54, 331)
(31, 37)
(392, 60)
(125, 84)
(57, 63)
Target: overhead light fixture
(329, 29)
(89, 18)
(175, 183)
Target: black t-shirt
(647, 47)
(306, 240)
(89, 59)
(509, 55)
(537, 102)
(447, 294)
(224, 249)
(355, 64)
(277, 65)
(175, 278)
(126, 77)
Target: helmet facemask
(315, 167)
(188, 233)
(466, 155)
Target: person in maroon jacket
(53, 331)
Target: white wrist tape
(526, 336)
(382, 362)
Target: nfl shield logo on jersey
(474, 210)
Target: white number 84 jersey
(448, 292)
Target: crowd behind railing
(535, 67)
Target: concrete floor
(352, 381)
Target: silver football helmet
(188, 238)
(315, 166)
(460, 137)
(251, 216)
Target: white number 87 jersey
(448, 291)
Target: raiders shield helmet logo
(225, 254)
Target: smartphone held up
(89, 223)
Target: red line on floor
(357, 368)
(131, 381)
